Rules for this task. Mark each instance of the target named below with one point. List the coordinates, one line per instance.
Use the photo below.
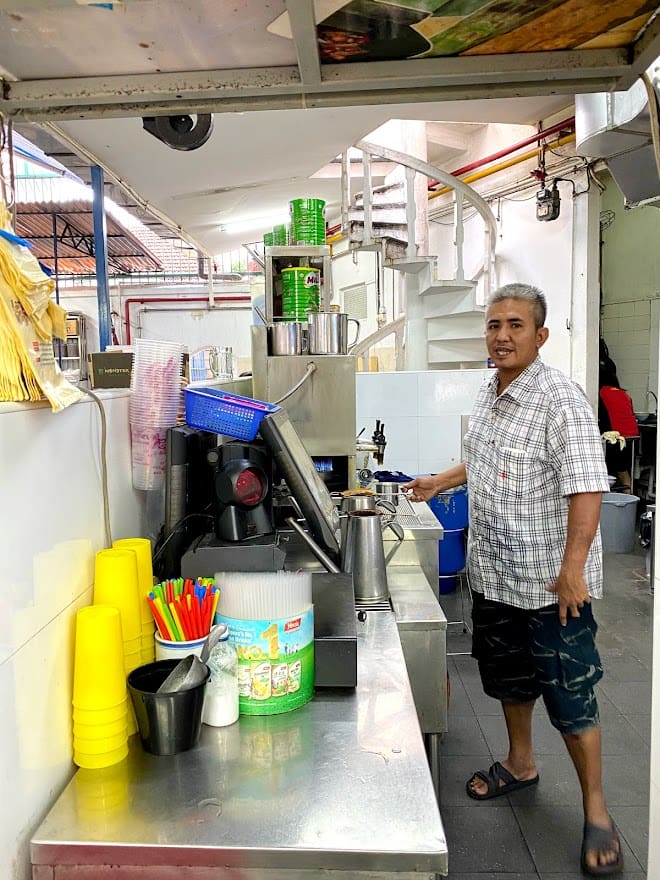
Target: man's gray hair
(523, 291)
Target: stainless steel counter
(341, 784)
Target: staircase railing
(463, 192)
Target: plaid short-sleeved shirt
(526, 452)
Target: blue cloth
(14, 239)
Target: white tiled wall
(422, 415)
(627, 331)
(51, 525)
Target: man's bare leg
(520, 760)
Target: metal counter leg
(432, 743)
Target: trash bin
(618, 513)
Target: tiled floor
(535, 834)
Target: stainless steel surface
(324, 414)
(422, 531)
(311, 368)
(302, 479)
(287, 337)
(322, 557)
(363, 554)
(328, 333)
(423, 632)
(273, 794)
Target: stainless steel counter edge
(340, 784)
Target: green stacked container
(300, 292)
(281, 235)
(268, 239)
(307, 221)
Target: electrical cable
(175, 530)
(104, 468)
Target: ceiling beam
(342, 85)
(644, 52)
(303, 29)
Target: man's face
(512, 338)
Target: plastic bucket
(167, 723)
(447, 583)
(451, 552)
(451, 508)
(618, 514)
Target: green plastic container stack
(307, 221)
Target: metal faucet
(377, 445)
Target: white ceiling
(88, 76)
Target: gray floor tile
(489, 875)
(559, 852)
(633, 825)
(625, 668)
(629, 696)
(494, 840)
(642, 724)
(459, 702)
(619, 737)
(626, 874)
(547, 740)
(626, 782)
(464, 737)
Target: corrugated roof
(71, 225)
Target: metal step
(456, 351)
(469, 325)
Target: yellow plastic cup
(95, 762)
(100, 746)
(142, 549)
(99, 681)
(99, 731)
(116, 583)
(100, 716)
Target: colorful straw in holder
(184, 609)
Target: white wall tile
(381, 395)
(443, 392)
(401, 436)
(439, 440)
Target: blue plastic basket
(230, 414)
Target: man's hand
(425, 488)
(572, 593)
(422, 488)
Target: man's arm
(424, 488)
(570, 587)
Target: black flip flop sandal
(498, 774)
(595, 839)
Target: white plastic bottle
(221, 696)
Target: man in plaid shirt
(535, 471)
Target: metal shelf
(274, 252)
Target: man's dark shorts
(524, 655)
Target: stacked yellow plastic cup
(116, 584)
(142, 550)
(100, 709)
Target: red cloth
(619, 408)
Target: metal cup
(363, 554)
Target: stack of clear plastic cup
(100, 708)
(142, 549)
(155, 404)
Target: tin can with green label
(300, 292)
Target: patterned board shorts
(523, 655)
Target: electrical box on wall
(547, 204)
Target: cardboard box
(110, 369)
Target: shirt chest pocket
(515, 472)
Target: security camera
(180, 132)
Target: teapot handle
(396, 527)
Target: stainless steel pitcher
(363, 554)
(328, 332)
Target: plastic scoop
(212, 638)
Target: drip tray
(383, 605)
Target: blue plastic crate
(213, 410)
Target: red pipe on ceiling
(534, 138)
(173, 299)
(478, 163)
